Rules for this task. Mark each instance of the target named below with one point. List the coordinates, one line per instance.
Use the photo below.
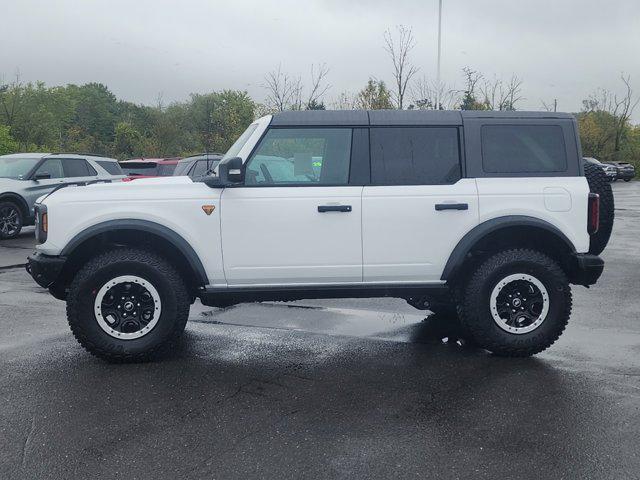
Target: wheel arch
(508, 232)
(136, 233)
(20, 201)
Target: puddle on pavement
(415, 327)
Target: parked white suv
(487, 212)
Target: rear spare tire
(599, 184)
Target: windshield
(17, 167)
(239, 143)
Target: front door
(296, 219)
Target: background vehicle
(148, 167)
(26, 176)
(626, 171)
(609, 170)
(197, 165)
(484, 214)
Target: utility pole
(439, 45)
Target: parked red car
(148, 167)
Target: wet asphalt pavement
(327, 389)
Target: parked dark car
(611, 171)
(148, 167)
(197, 165)
(626, 171)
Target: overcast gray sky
(561, 49)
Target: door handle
(334, 208)
(452, 206)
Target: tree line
(89, 118)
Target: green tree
(128, 141)
(7, 142)
(375, 96)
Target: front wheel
(11, 220)
(127, 305)
(516, 304)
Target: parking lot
(318, 389)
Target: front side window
(304, 156)
(52, 167)
(523, 149)
(414, 155)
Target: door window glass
(301, 156)
(77, 167)
(52, 166)
(414, 155)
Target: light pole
(439, 43)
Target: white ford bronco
(485, 215)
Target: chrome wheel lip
(127, 279)
(493, 303)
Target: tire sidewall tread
(473, 303)
(127, 261)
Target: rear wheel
(516, 304)
(11, 220)
(127, 305)
(598, 183)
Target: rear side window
(111, 167)
(523, 149)
(77, 167)
(301, 156)
(415, 156)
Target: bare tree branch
(424, 93)
(319, 87)
(403, 69)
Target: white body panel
(174, 202)
(275, 235)
(404, 238)
(560, 201)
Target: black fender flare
(466, 243)
(145, 226)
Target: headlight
(42, 222)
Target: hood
(10, 184)
(140, 190)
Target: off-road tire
(474, 300)
(127, 261)
(598, 183)
(19, 217)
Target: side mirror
(42, 176)
(231, 171)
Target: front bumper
(586, 269)
(45, 269)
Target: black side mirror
(231, 171)
(42, 176)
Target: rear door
(297, 219)
(418, 206)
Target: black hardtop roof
(397, 117)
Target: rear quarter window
(111, 167)
(523, 149)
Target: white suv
(484, 214)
